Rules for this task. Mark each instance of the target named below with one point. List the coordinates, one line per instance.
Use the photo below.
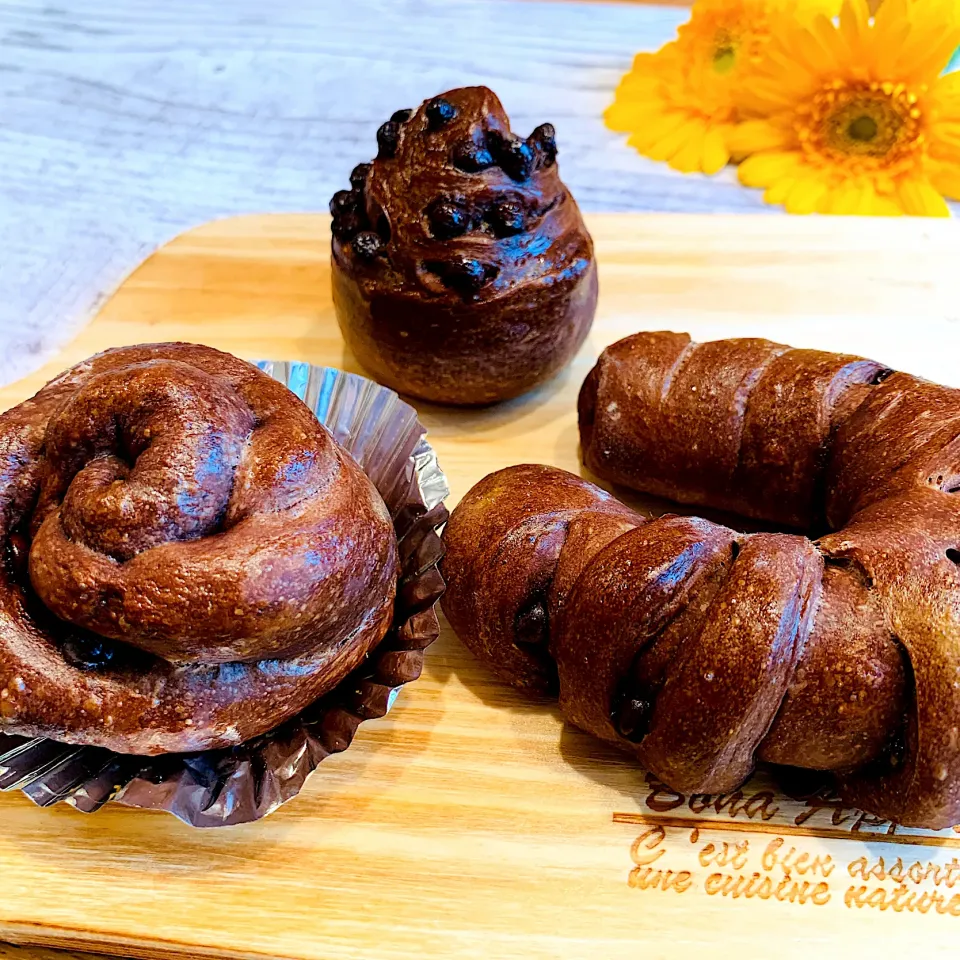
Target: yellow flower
(679, 104)
(854, 116)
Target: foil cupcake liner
(245, 783)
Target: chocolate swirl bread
(189, 558)
(462, 271)
(700, 649)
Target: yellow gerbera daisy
(854, 116)
(678, 104)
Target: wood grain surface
(9, 951)
(471, 822)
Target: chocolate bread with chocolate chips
(702, 650)
(188, 557)
(462, 270)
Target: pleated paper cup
(222, 787)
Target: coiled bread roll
(189, 557)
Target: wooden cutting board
(471, 822)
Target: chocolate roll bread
(189, 558)
(462, 270)
(740, 425)
(702, 650)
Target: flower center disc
(876, 126)
(724, 52)
(863, 128)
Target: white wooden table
(123, 122)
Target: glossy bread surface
(701, 649)
(462, 270)
(189, 557)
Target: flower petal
(805, 195)
(764, 169)
(645, 62)
(919, 199)
(810, 51)
(776, 194)
(626, 117)
(807, 9)
(871, 204)
(854, 22)
(769, 96)
(934, 36)
(886, 40)
(832, 40)
(944, 99)
(689, 157)
(892, 11)
(715, 153)
(656, 130)
(785, 69)
(844, 199)
(946, 179)
(753, 136)
(665, 147)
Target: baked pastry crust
(701, 649)
(462, 270)
(189, 556)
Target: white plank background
(123, 122)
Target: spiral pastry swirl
(189, 557)
(701, 649)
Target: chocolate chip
(531, 626)
(439, 113)
(543, 140)
(514, 155)
(896, 751)
(343, 200)
(348, 224)
(632, 716)
(401, 116)
(463, 274)
(471, 157)
(545, 133)
(367, 245)
(358, 176)
(387, 137)
(448, 218)
(506, 217)
(383, 228)
(88, 652)
(19, 550)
